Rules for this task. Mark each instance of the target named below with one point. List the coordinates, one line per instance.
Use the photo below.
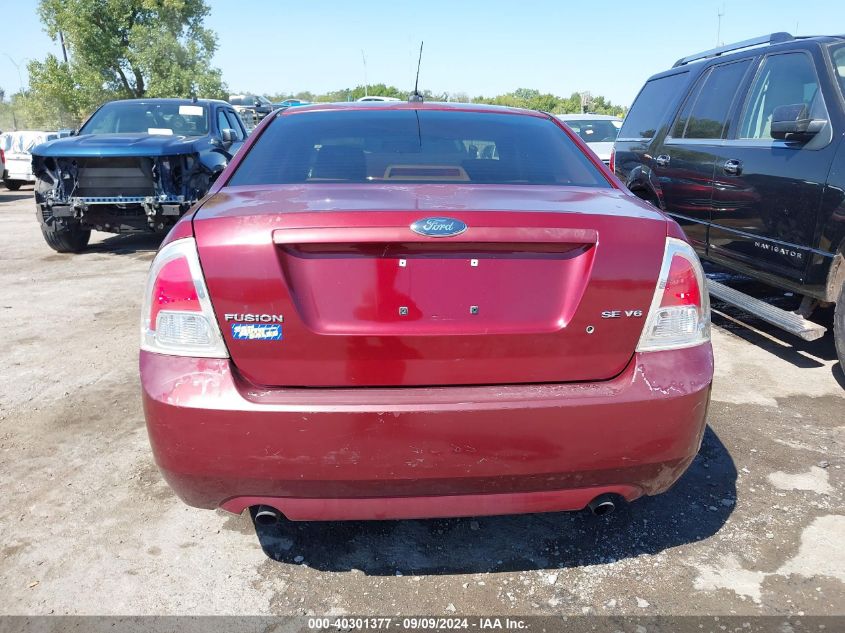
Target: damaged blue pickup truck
(134, 166)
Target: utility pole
(366, 85)
(17, 66)
(586, 100)
(62, 41)
(719, 15)
(20, 87)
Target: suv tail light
(2, 157)
(680, 310)
(612, 162)
(177, 317)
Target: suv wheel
(647, 196)
(839, 327)
(63, 236)
(13, 185)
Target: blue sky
(478, 47)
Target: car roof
(410, 105)
(172, 100)
(694, 68)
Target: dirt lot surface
(88, 526)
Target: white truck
(15, 148)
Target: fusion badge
(256, 331)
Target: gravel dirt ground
(88, 526)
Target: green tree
(125, 49)
(535, 100)
(55, 97)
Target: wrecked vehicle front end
(119, 194)
(134, 166)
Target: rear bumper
(22, 176)
(19, 169)
(373, 453)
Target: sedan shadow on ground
(695, 508)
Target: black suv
(743, 146)
(251, 108)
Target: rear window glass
(705, 115)
(377, 146)
(654, 102)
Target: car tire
(64, 236)
(646, 195)
(13, 185)
(839, 327)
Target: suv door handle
(663, 160)
(733, 167)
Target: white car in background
(377, 98)
(599, 131)
(15, 147)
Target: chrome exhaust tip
(602, 505)
(267, 516)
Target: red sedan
(401, 310)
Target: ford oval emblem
(438, 227)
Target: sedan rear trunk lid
(517, 297)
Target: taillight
(2, 157)
(680, 310)
(177, 317)
(612, 163)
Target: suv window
(385, 146)
(705, 114)
(656, 99)
(785, 79)
(222, 121)
(235, 124)
(837, 54)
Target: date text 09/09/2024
(417, 623)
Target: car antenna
(416, 97)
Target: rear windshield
(377, 146)
(652, 106)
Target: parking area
(89, 527)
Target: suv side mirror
(793, 123)
(227, 135)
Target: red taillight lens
(612, 164)
(177, 317)
(681, 284)
(174, 289)
(2, 157)
(680, 309)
